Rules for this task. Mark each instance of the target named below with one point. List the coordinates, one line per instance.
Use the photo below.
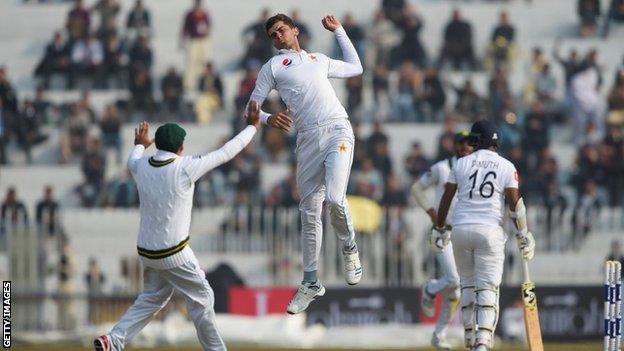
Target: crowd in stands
(409, 84)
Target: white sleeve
(134, 157)
(511, 177)
(197, 166)
(264, 84)
(430, 177)
(351, 66)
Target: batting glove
(439, 238)
(526, 244)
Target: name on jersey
(485, 164)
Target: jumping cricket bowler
(448, 283)
(166, 182)
(483, 181)
(324, 141)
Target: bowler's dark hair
(279, 17)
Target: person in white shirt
(324, 142)
(448, 283)
(483, 182)
(166, 182)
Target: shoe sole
(320, 293)
(97, 344)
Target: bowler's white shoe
(352, 267)
(482, 345)
(440, 343)
(102, 343)
(304, 296)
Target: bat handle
(525, 270)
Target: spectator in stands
(87, 56)
(65, 270)
(610, 156)
(377, 136)
(616, 96)
(47, 212)
(501, 49)
(384, 38)
(410, 47)
(211, 98)
(469, 104)
(457, 44)
(589, 12)
(195, 37)
(431, 98)
(122, 192)
(355, 86)
(259, 46)
(446, 140)
(403, 104)
(304, 36)
(94, 278)
(93, 169)
(78, 22)
(247, 85)
(55, 61)
(545, 89)
(42, 106)
(394, 194)
(110, 128)
(13, 212)
(245, 172)
(381, 158)
(138, 21)
(585, 101)
(499, 92)
(536, 130)
(114, 62)
(393, 9)
(4, 135)
(570, 65)
(285, 193)
(275, 146)
(108, 11)
(8, 94)
(141, 91)
(555, 205)
(28, 129)
(367, 181)
(172, 90)
(141, 56)
(381, 95)
(587, 168)
(415, 161)
(585, 212)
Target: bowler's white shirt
(438, 175)
(481, 179)
(302, 81)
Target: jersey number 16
(486, 189)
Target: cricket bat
(531, 316)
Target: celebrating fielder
(483, 181)
(448, 283)
(324, 142)
(166, 182)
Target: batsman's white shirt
(482, 178)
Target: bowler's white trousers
(189, 280)
(480, 254)
(324, 158)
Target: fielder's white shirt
(481, 179)
(166, 195)
(437, 175)
(302, 81)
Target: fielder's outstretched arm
(445, 203)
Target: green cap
(169, 137)
(461, 136)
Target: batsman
(483, 181)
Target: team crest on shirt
(313, 57)
(286, 62)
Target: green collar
(156, 163)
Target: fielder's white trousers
(480, 256)
(324, 158)
(189, 280)
(448, 286)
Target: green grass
(547, 347)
